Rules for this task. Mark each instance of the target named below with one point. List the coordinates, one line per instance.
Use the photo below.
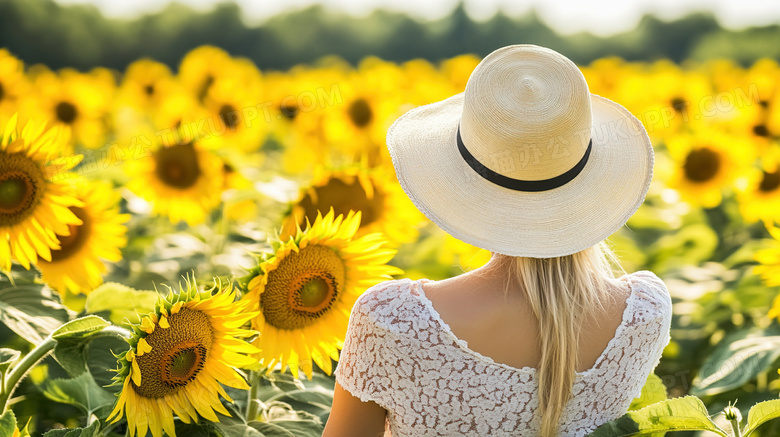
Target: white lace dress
(400, 354)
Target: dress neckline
(463, 344)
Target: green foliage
(32, 311)
(680, 414)
(120, 302)
(72, 350)
(80, 328)
(7, 423)
(92, 430)
(81, 392)
(738, 359)
(686, 414)
(760, 414)
(7, 358)
(313, 397)
(653, 391)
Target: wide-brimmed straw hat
(524, 162)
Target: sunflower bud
(733, 413)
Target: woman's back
(501, 325)
(401, 354)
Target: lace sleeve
(363, 367)
(655, 314)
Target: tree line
(42, 31)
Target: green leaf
(80, 328)
(679, 414)
(72, 353)
(82, 392)
(653, 391)
(761, 413)
(8, 357)
(7, 423)
(281, 420)
(738, 358)
(120, 301)
(234, 426)
(313, 396)
(90, 431)
(33, 311)
(202, 429)
(99, 354)
(288, 428)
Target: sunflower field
(180, 250)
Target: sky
(601, 17)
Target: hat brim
(558, 222)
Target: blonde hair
(561, 292)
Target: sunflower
(206, 66)
(383, 204)
(706, 163)
(370, 100)
(77, 266)
(236, 117)
(299, 101)
(305, 291)
(759, 196)
(34, 197)
(78, 100)
(457, 70)
(182, 181)
(13, 83)
(180, 356)
(145, 81)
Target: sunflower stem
(18, 372)
(253, 404)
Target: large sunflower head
(707, 162)
(180, 356)
(306, 288)
(77, 266)
(35, 200)
(383, 205)
(182, 181)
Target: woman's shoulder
(384, 299)
(651, 293)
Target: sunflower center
(314, 291)
(701, 165)
(344, 197)
(79, 235)
(66, 112)
(303, 287)
(360, 113)
(183, 363)
(289, 110)
(679, 104)
(177, 166)
(13, 192)
(149, 89)
(21, 187)
(229, 116)
(761, 130)
(770, 182)
(178, 354)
